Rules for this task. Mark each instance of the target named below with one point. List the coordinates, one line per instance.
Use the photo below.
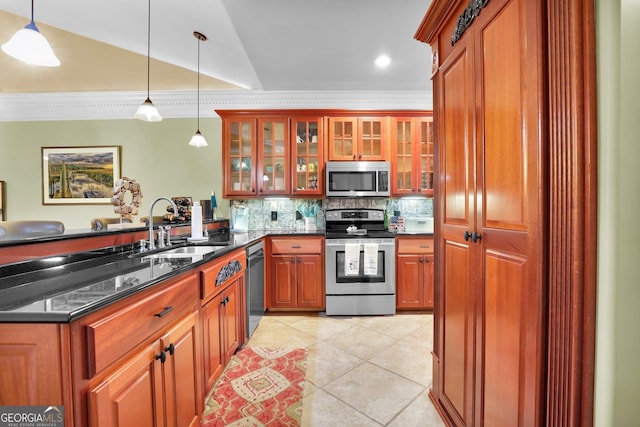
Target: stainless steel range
(360, 263)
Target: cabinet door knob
(421, 259)
(467, 236)
(170, 348)
(475, 237)
(162, 356)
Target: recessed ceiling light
(382, 61)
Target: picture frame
(83, 175)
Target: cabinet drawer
(234, 263)
(299, 245)
(111, 337)
(414, 245)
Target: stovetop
(356, 224)
(376, 234)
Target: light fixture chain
(198, 83)
(148, 48)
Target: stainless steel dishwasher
(255, 286)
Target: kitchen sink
(194, 252)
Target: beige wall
(157, 155)
(618, 311)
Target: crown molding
(183, 104)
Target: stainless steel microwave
(358, 179)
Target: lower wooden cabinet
(221, 331)
(157, 386)
(32, 355)
(414, 273)
(223, 308)
(296, 273)
(146, 360)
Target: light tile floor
(361, 371)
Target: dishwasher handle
(258, 254)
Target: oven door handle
(341, 244)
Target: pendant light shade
(31, 47)
(148, 112)
(197, 140)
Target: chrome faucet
(152, 244)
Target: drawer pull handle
(295, 246)
(162, 356)
(425, 246)
(171, 349)
(165, 311)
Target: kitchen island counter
(62, 288)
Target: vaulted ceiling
(257, 52)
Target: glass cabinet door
(273, 145)
(342, 138)
(241, 155)
(425, 156)
(412, 159)
(307, 156)
(371, 145)
(403, 168)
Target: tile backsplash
(259, 211)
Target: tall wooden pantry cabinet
(515, 205)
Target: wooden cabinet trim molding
(210, 272)
(573, 211)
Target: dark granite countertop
(60, 289)
(64, 288)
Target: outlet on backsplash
(274, 215)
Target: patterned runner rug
(259, 387)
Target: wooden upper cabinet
(239, 156)
(307, 156)
(358, 138)
(412, 159)
(273, 172)
(283, 152)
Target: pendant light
(197, 140)
(147, 111)
(31, 47)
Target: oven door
(343, 279)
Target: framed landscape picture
(79, 175)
